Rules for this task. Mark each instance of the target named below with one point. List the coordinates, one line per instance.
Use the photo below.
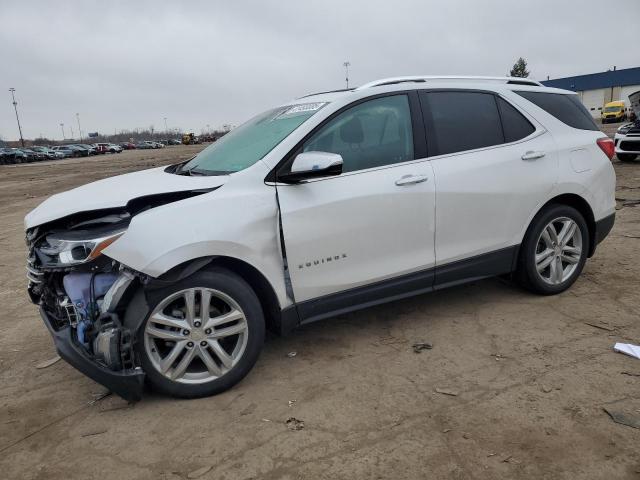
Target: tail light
(607, 146)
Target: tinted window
(461, 121)
(371, 134)
(514, 124)
(566, 108)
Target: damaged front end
(84, 296)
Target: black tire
(527, 272)
(626, 157)
(235, 287)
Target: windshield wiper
(194, 172)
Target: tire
(626, 157)
(230, 295)
(535, 243)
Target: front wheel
(203, 335)
(554, 250)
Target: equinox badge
(319, 261)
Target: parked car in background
(65, 150)
(81, 150)
(174, 141)
(614, 112)
(12, 155)
(32, 156)
(91, 148)
(113, 148)
(50, 154)
(144, 146)
(128, 145)
(627, 138)
(108, 148)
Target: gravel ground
(529, 374)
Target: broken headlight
(63, 250)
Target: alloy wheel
(558, 250)
(196, 335)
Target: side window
(514, 124)
(371, 134)
(461, 120)
(566, 108)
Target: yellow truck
(190, 139)
(614, 112)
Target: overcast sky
(129, 64)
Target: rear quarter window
(566, 108)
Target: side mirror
(309, 165)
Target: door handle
(531, 155)
(411, 180)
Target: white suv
(627, 137)
(330, 203)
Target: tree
(519, 69)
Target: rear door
(493, 168)
(371, 224)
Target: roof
(593, 81)
(422, 81)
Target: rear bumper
(128, 383)
(603, 227)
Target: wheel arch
(257, 281)
(580, 204)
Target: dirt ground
(531, 377)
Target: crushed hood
(634, 98)
(116, 192)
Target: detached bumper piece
(126, 383)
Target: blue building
(596, 89)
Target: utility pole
(79, 128)
(166, 129)
(346, 67)
(15, 107)
(62, 126)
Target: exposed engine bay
(81, 289)
(84, 295)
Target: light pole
(346, 67)
(15, 107)
(79, 128)
(62, 126)
(166, 129)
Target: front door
(375, 221)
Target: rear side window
(461, 121)
(514, 124)
(566, 108)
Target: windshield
(612, 109)
(250, 142)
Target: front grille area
(630, 146)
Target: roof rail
(425, 78)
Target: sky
(129, 64)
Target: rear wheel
(203, 335)
(554, 251)
(626, 157)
